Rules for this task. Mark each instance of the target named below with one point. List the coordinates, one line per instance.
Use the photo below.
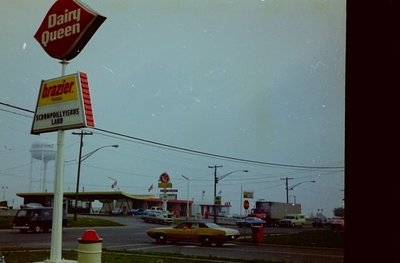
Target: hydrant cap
(90, 236)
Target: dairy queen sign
(67, 27)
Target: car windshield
(212, 225)
(184, 225)
(23, 213)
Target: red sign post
(67, 27)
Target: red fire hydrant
(257, 233)
(90, 245)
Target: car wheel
(37, 229)
(206, 241)
(161, 239)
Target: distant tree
(339, 211)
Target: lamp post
(187, 198)
(294, 198)
(81, 159)
(216, 180)
(4, 192)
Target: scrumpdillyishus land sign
(63, 103)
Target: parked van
(36, 219)
(293, 220)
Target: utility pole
(287, 188)
(82, 133)
(215, 190)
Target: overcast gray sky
(255, 80)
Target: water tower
(44, 151)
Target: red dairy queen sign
(67, 27)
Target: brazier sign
(63, 103)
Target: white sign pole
(56, 229)
(165, 200)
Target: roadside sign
(164, 181)
(168, 190)
(248, 194)
(217, 200)
(67, 27)
(63, 103)
(168, 197)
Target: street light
(225, 175)
(187, 199)
(81, 159)
(293, 186)
(216, 180)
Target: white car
(160, 211)
(251, 221)
(158, 218)
(336, 223)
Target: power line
(16, 113)
(191, 151)
(15, 107)
(217, 155)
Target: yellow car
(194, 231)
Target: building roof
(115, 195)
(91, 195)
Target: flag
(151, 187)
(114, 185)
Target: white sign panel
(63, 103)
